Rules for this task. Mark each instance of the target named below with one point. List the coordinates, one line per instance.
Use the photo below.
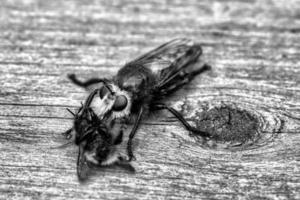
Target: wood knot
(226, 124)
(234, 128)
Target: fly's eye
(103, 91)
(120, 103)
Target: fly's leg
(132, 133)
(86, 83)
(160, 106)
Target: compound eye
(103, 91)
(120, 103)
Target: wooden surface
(253, 47)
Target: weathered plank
(253, 47)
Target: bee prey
(97, 144)
(138, 88)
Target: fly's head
(111, 102)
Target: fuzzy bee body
(138, 87)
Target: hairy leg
(86, 83)
(160, 106)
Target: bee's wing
(82, 165)
(170, 58)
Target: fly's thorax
(112, 102)
(137, 79)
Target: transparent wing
(170, 58)
(168, 52)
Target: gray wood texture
(253, 47)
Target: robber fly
(138, 88)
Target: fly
(138, 88)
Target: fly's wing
(170, 62)
(169, 51)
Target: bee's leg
(124, 163)
(119, 138)
(86, 83)
(67, 134)
(132, 133)
(160, 106)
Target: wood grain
(253, 47)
